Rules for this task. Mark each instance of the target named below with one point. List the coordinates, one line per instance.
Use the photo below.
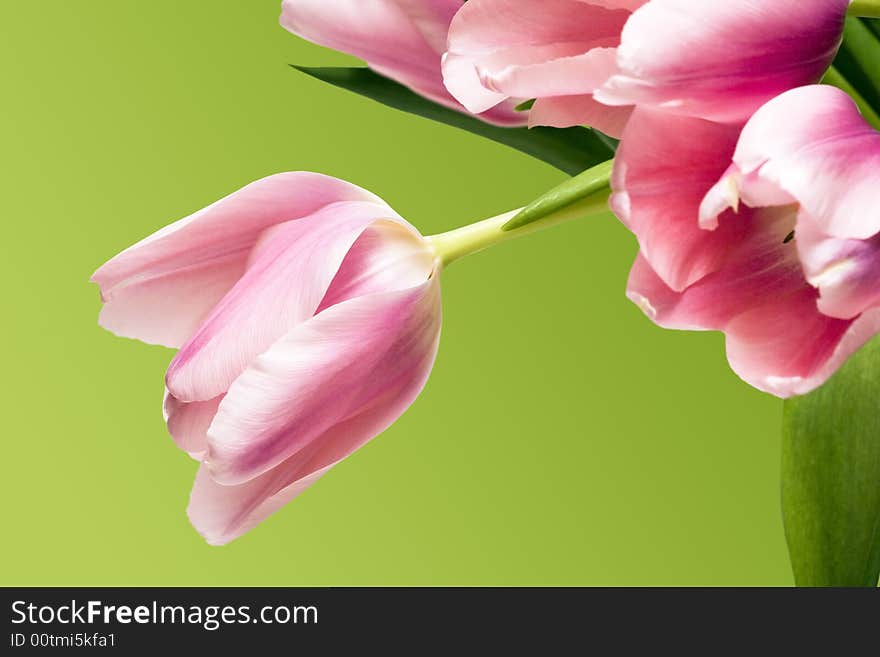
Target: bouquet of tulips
(738, 141)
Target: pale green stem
(835, 79)
(865, 8)
(471, 239)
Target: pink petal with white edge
(289, 273)
(539, 71)
(223, 513)
(813, 144)
(777, 340)
(662, 170)
(723, 60)
(188, 423)
(736, 188)
(567, 111)
(188, 266)
(846, 272)
(507, 48)
(351, 357)
(400, 39)
(462, 78)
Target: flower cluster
(307, 312)
(752, 194)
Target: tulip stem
(835, 79)
(865, 8)
(467, 240)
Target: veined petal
(289, 273)
(845, 271)
(777, 339)
(431, 18)
(462, 79)
(503, 48)
(349, 358)
(662, 170)
(188, 423)
(539, 71)
(813, 144)
(188, 266)
(723, 60)
(222, 513)
(400, 39)
(630, 5)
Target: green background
(562, 438)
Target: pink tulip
(780, 251)
(591, 61)
(307, 313)
(400, 39)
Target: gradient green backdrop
(562, 438)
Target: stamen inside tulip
(731, 192)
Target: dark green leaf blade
(831, 477)
(571, 150)
(857, 60)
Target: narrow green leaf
(857, 60)
(585, 188)
(571, 150)
(831, 477)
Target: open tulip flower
(779, 250)
(400, 39)
(590, 61)
(307, 317)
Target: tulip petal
(288, 275)
(462, 78)
(846, 272)
(813, 144)
(509, 48)
(630, 5)
(354, 355)
(723, 60)
(777, 340)
(567, 111)
(222, 513)
(541, 71)
(400, 39)
(187, 267)
(662, 170)
(188, 423)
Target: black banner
(128, 620)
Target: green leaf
(858, 60)
(831, 477)
(571, 150)
(836, 79)
(587, 189)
